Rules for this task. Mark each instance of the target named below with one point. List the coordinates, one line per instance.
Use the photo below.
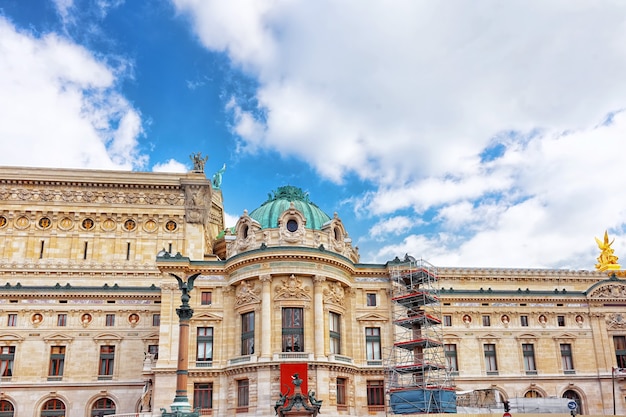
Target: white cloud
(171, 165)
(394, 226)
(409, 97)
(60, 106)
(230, 219)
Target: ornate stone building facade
(88, 322)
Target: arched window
(6, 409)
(53, 408)
(103, 407)
(533, 394)
(573, 395)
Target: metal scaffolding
(418, 379)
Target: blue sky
(478, 134)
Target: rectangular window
(110, 320)
(486, 321)
(7, 355)
(107, 360)
(156, 319)
(127, 251)
(620, 350)
(12, 320)
(372, 343)
(62, 320)
(371, 299)
(523, 321)
(560, 321)
(528, 349)
(205, 344)
(451, 359)
(205, 298)
(247, 333)
(341, 392)
(335, 333)
(243, 394)
(375, 395)
(57, 360)
(154, 351)
(566, 358)
(447, 321)
(293, 330)
(491, 363)
(203, 396)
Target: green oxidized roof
(267, 215)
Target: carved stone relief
(292, 287)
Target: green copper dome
(269, 212)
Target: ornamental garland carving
(247, 293)
(610, 291)
(197, 202)
(292, 287)
(91, 196)
(334, 293)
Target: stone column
(318, 302)
(266, 317)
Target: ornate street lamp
(181, 406)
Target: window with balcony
(243, 395)
(204, 344)
(247, 333)
(103, 407)
(375, 396)
(451, 359)
(206, 298)
(371, 299)
(372, 343)
(335, 333)
(107, 361)
(620, 350)
(528, 351)
(154, 351)
(293, 330)
(523, 321)
(7, 356)
(567, 361)
(203, 396)
(491, 363)
(53, 408)
(341, 394)
(57, 360)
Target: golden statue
(606, 260)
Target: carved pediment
(612, 290)
(334, 293)
(565, 336)
(207, 317)
(108, 338)
(58, 338)
(11, 338)
(372, 317)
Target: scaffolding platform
(418, 378)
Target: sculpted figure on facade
(607, 258)
(292, 287)
(247, 293)
(334, 293)
(610, 291)
(615, 321)
(198, 161)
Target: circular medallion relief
(292, 225)
(85, 319)
(133, 319)
(36, 318)
(3, 221)
(150, 226)
(44, 222)
(171, 226)
(108, 225)
(130, 225)
(66, 223)
(87, 224)
(22, 222)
